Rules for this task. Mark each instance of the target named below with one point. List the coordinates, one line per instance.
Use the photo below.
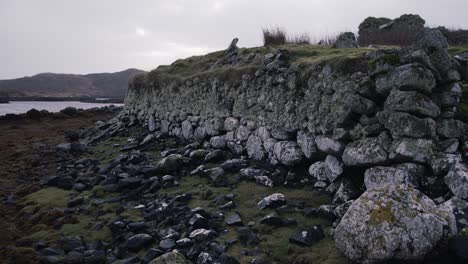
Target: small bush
(274, 37)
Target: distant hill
(113, 85)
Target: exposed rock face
(395, 222)
(346, 40)
(457, 180)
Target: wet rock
(233, 219)
(379, 225)
(457, 180)
(407, 173)
(408, 77)
(138, 241)
(272, 201)
(367, 151)
(288, 153)
(308, 236)
(173, 257)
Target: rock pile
(391, 133)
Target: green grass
(454, 50)
(105, 151)
(50, 197)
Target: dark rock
(458, 246)
(71, 244)
(234, 165)
(75, 202)
(346, 40)
(308, 236)
(233, 219)
(198, 221)
(139, 241)
(202, 234)
(247, 236)
(167, 244)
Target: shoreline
(104, 100)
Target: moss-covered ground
(274, 242)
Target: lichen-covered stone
(412, 102)
(407, 174)
(411, 149)
(255, 148)
(367, 151)
(406, 125)
(288, 153)
(329, 145)
(457, 180)
(306, 141)
(408, 77)
(395, 222)
(328, 170)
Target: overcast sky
(89, 36)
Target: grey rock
(451, 128)
(288, 153)
(201, 234)
(171, 163)
(408, 77)
(172, 257)
(151, 123)
(234, 165)
(346, 192)
(255, 148)
(306, 141)
(412, 102)
(390, 223)
(187, 129)
(200, 134)
(328, 170)
(272, 201)
(218, 142)
(167, 244)
(264, 181)
(329, 145)
(231, 124)
(367, 151)
(250, 173)
(407, 174)
(233, 219)
(442, 163)
(308, 237)
(346, 40)
(280, 133)
(214, 126)
(406, 125)
(412, 150)
(243, 133)
(433, 42)
(457, 180)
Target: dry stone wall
(393, 122)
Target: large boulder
(171, 163)
(346, 40)
(367, 151)
(408, 77)
(255, 148)
(392, 223)
(288, 153)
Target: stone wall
(393, 121)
